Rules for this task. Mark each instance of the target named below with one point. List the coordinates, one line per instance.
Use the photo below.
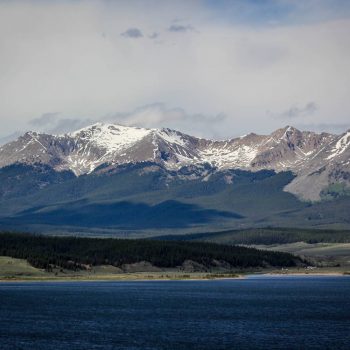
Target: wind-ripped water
(253, 313)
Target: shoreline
(295, 274)
(131, 278)
(117, 280)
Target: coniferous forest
(73, 253)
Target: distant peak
(290, 128)
(31, 134)
(169, 131)
(106, 127)
(285, 132)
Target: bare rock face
(318, 160)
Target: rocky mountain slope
(317, 160)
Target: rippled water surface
(252, 313)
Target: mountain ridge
(318, 160)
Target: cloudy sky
(210, 68)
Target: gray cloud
(151, 115)
(65, 125)
(296, 112)
(261, 55)
(132, 33)
(155, 35)
(44, 120)
(233, 66)
(209, 118)
(11, 137)
(55, 123)
(154, 115)
(179, 28)
(336, 128)
(158, 114)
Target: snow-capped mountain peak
(82, 151)
(111, 137)
(340, 146)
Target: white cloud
(156, 115)
(70, 57)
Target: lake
(265, 312)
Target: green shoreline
(125, 277)
(19, 270)
(143, 277)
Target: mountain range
(113, 177)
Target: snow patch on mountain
(228, 156)
(112, 138)
(171, 136)
(82, 151)
(341, 146)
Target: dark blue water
(254, 313)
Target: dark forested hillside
(74, 253)
(18, 180)
(267, 236)
(152, 200)
(145, 196)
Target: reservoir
(262, 312)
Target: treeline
(48, 252)
(268, 236)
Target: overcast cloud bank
(212, 68)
